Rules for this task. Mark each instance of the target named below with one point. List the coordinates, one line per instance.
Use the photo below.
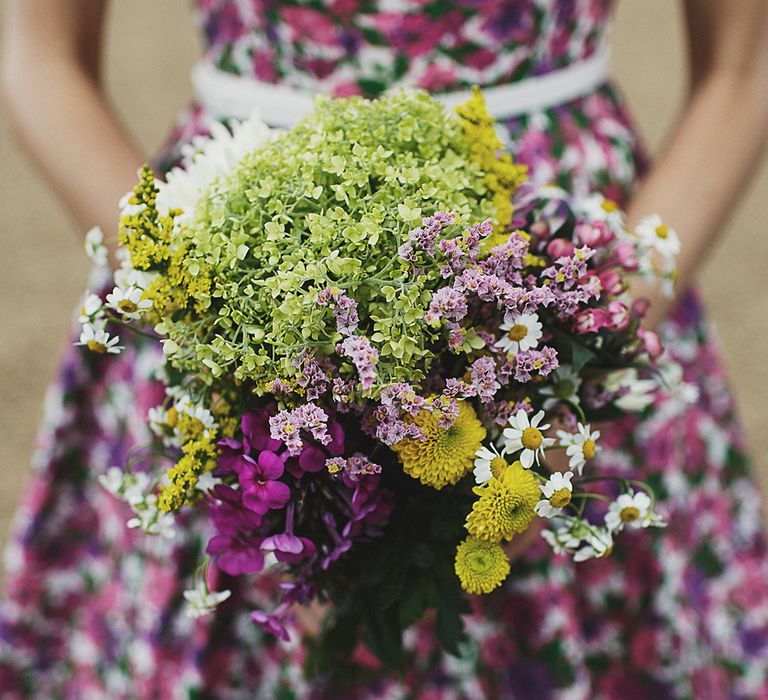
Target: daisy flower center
(662, 231)
(629, 514)
(560, 498)
(172, 418)
(127, 306)
(609, 206)
(588, 448)
(498, 465)
(96, 346)
(532, 438)
(517, 332)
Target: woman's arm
(719, 137)
(52, 83)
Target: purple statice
(403, 397)
(446, 409)
(278, 386)
(568, 270)
(287, 425)
(313, 376)
(259, 480)
(527, 301)
(455, 255)
(448, 303)
(342, 391)
(389, 427)
(458, 389)
(456, 339)
(364, 357)
(539, 362)
(359, 465)
(344, 309)
(483, 378)
(474, 234)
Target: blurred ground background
(150, 48)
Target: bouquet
(375, 333)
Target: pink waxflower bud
(618, 316)
(560, 248)
(651, 343)
(612, 282)
(595, 234)
(590, 321)
(640, 307)
(627, 256)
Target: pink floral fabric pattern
(95, 610)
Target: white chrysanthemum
(95, 248)
(636, 393)
(201, 601)
(522, 332)
(599, 544)
(486, 462)
(98, 340)
(91, 309)
(128, 302)
(597, 208)
(563, 385)
(207, 159)
(557, 495)
(580, 447)
(631, 509)
(527, 435)
(656, 235)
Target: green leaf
(580, 356)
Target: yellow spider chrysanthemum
(506, 505)
(481, 566)
(445, 454)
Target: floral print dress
(95, 610)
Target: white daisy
(98, 340)
(523, 332)
(95, 248)
(598, 208)
(201, 601)
(580, 447)
(557, 494)
(488, 463)
(526, 435)
(91, 309)
(632, 509)
(658, 236)
(599, 544)
(564, 386)
(128, 302)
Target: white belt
(227, 95)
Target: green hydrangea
(327, 204)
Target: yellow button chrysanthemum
(506, 505)
(481, 566)
(445, 454)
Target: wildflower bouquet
(370, 324)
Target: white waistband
(227, 95)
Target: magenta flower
(289, 548)
(259, 480)
(274, 624)
(236, 555)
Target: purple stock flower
(275, 623)
(236, 555)
(289, 548)
(259, 480)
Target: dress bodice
(346, 47)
